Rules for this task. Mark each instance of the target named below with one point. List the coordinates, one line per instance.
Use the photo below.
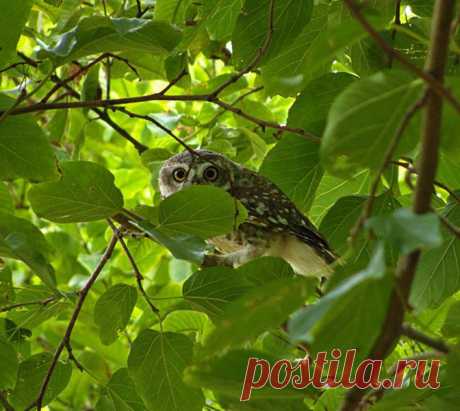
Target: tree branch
(161, 97)
(430, 138)
(425, 75)
(416, 335)
(66, 339)
(44, 302)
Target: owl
(274, 227)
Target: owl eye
(179, 174)
(211, 173)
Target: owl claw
(213, 260)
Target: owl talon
(213, 260)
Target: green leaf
(113, 311)
(9, 368)
(24, 148)
(173, 11)
(181, 321)
(264, 269)
(438, 272)
(342, 216)
(293, 165)
(225, 375)
(85, 192)
(451, 326)
(211, 289)
(21, 240)
(6, 202)
(190, 211)
(100, 34)
(182, 246)
(269, 306)
(120, 394)
(160, 359)
(332, 188)
(31, 373)
(252, 26)
(312, 105)
(360, 302)
(12, 20)
(6, 286)
(363, 119)
(222, 17)
(407, 230)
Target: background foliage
(293, 88)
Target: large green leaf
(99, 34)
(183, 246)
(289, 17)
(9, 368)
(6, 202)
(269, 306)
(113, 311)
(21, 240)
(225, 375)
(438, 273)
(211, 289)
(24, 148)
(359, 302)
(293, 164)
(222, 17)
(31, 373)
(120, 394)
(407, 231)
(190, 211)
(86, 192)
(12, 20)
(156, 363)
(363, 121)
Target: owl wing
(270, 208)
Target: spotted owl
(274, 227)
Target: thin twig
(160, 126)
(451, 227)
(44, 302)
(425, 75)
(413, 170)
(390, 151)
(105, 117)
(138, 274)
(259, 54)
(233, 103)
(174, 81)
(66, 339)
(84, 69)
(430, 140)
(431, 342)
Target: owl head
(199, 167)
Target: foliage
(95, 95)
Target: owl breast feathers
(274, 227)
